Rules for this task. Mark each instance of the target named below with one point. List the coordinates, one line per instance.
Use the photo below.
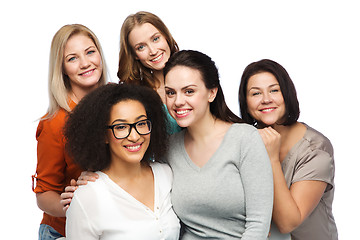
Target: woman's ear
(212, 94)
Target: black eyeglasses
(123, 130)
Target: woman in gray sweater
(222, 181)
(222, 187)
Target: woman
(146, 45)
(222, 187)
(302, 158)
(115, 131)
(76, 68)
(143, 38)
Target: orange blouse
(55, 168)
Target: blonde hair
(59, 83)
(130, 69)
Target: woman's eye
(156, 39)
(120, 127)
(275, 90)
(189, 91)
(71, 59)
(141, 47)
(141, 124)
(91, 52)
(255, 93)
(170, 93)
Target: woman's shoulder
(242, 129)
(176, 137)
(162, 168)
(316, 140)
(92, 188)
(54, 124)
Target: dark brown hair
(286, 86)
(210, 75)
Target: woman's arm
(291, 206)
(67, 196)
(49, 202)
(257, 179)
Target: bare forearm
(286, 213)
(49, 202)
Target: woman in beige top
(302, 158)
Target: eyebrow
(152, 36)
(270, 86)
(124, 121)
(191, 85)
(70, 54)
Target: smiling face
(187, 98)
(150, 46)
(264, 99)
(82, 62)
(132, 148)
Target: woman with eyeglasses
(118, 131)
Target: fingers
(87, 176)
(81, 182)
(66, 198)
(73, 182)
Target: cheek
(251, 104)
(68, 69)
(142, 56)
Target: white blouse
(102, 209)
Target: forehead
(262, 80)
(78, 42)
(181, 76)
(127, 110)
(141, 33)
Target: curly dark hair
(85, 129)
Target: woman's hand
(67, 196)
(272, 142)
(87, 176)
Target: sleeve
(256, 175)
(78, 224)
(51, 158)
(316, 165)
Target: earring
(141, 74)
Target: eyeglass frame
(132, 125)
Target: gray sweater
(231, 196)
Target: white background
(316, 41)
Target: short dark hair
(286, 86)
(85, 129)
(210, 75)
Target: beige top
(312, 158)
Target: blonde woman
(76, 67)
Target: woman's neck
(207, 128)
(77, 93)
(160, 85)
(122, 171)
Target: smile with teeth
(133, 148)
(267, 109)
(182, 112)
(157, 58)
(87, 72)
